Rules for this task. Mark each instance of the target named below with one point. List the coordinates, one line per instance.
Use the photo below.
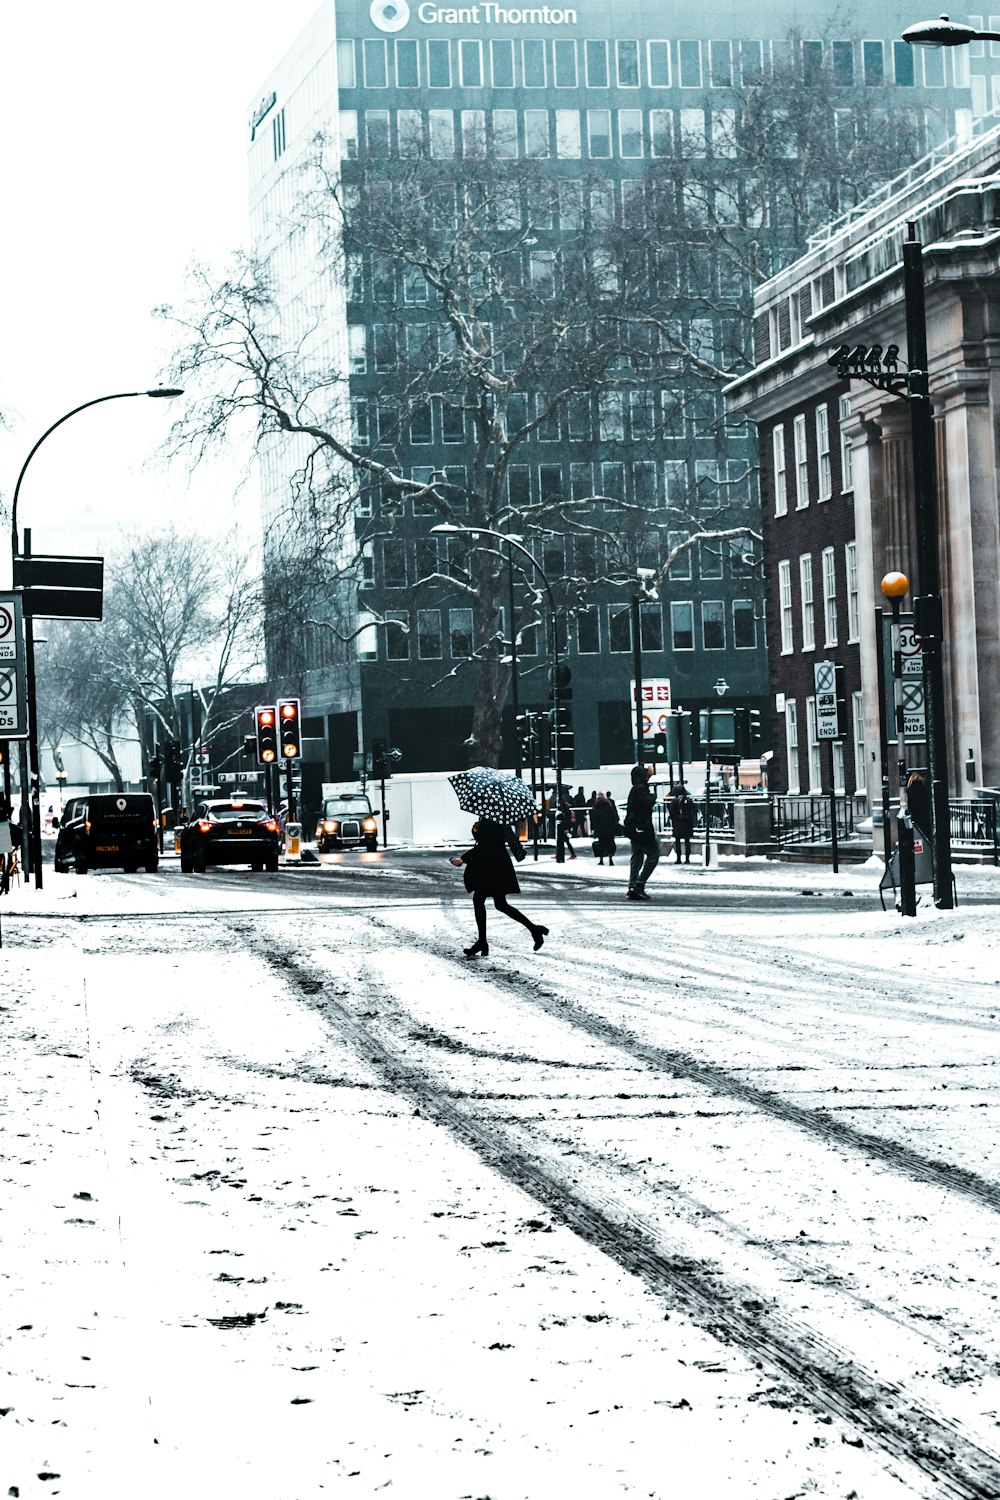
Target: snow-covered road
(699, 1200)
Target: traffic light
(562, 735)
(172, 760)
(678, 737)
(154, 766)
(660, 745)
(288, 725)
(716, 729)
(265, 719)
(249, 745)
(751, 733)
(563, 676)
(380, 754)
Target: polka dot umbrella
(492, 794)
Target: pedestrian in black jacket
(604, 824)
(918, 802)
(489, 872)
(681, 809)
(640, 832)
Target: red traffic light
(289, 714)
(265, 721)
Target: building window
(533, 60)
(780, 470)
(873, 62)
(829, 597)
(628, 64)
(853, 613)
(356, 349)
(843, 62)
(630, 133)
(661, 131)
(568, 144)
(588, 632)
(460, 632)
(376, 68)
(470, 64)
(439, 64)
(420, 424)
(860, 751)
(801, 463)
(599, 133)
(839, 776)
(710, 559)
(581, 481)
(806, 600)
(846, 457)
(429, 644)
(502, 64)
(713, 625)
(744, 625)
(597, 65)
(658, 63)
(651, 627)
(564, 56)
(384, 340)
(620, 627)
(474, 132)
(682, 625)
(442, 129)
(813, 745)
(823, 453)
(902, 64)
(347, 77)
(611, 416)
(536, 132)
(505, 133)
(397, 637)
(689, 63)
(785, 606)
(394, 564)
(792, 744)
(407, 64)
(721, 64)
(377, 132)
(348, 135)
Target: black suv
(230, 831)
(108, 829)
(347, 822)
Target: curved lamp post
(448, 528)
(29, 640)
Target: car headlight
(330, 826)
(369, 825)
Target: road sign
(827, 718)
(655, 695)
(61, 588)
(911, 659)
(13, 693)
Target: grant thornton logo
(389, 15)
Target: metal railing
(806, 820)
(974, 825)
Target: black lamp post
(945, 33)
(449, 529)
(29, 639)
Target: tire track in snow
(820, 1370)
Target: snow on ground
(298, 1202)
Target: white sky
(124, 159)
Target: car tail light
(270, 825)
(369, 825)
(204, 825)
(87, 825)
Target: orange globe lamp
(895, 585)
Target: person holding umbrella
(501, 802)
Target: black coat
(489, 870)
(639, 816)
(604, 825)
(682, 815)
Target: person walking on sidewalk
(489, 872)
(564, 829)
(640, 832)
(604, 823)
(682, 814)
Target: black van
(116, 829)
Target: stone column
(865, 433)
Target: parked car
(230, 831)
(108, 830)
(347, 822)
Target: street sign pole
(833, 812)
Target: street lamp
(29, 639)
(448, 528)
(945, 33)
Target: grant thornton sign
(393, 15)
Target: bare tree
(180, 612)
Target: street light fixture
(945, 33)
(29, 639)
(448, 528)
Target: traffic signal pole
(637, 674)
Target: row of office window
(562, 134)
(433, 634)
(809, 605)
(686, 63)
(610, 417)
(795, 477)
(407, 563)
(702, 487)
(816, 775)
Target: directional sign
(13, 694)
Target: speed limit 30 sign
(13, 695)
